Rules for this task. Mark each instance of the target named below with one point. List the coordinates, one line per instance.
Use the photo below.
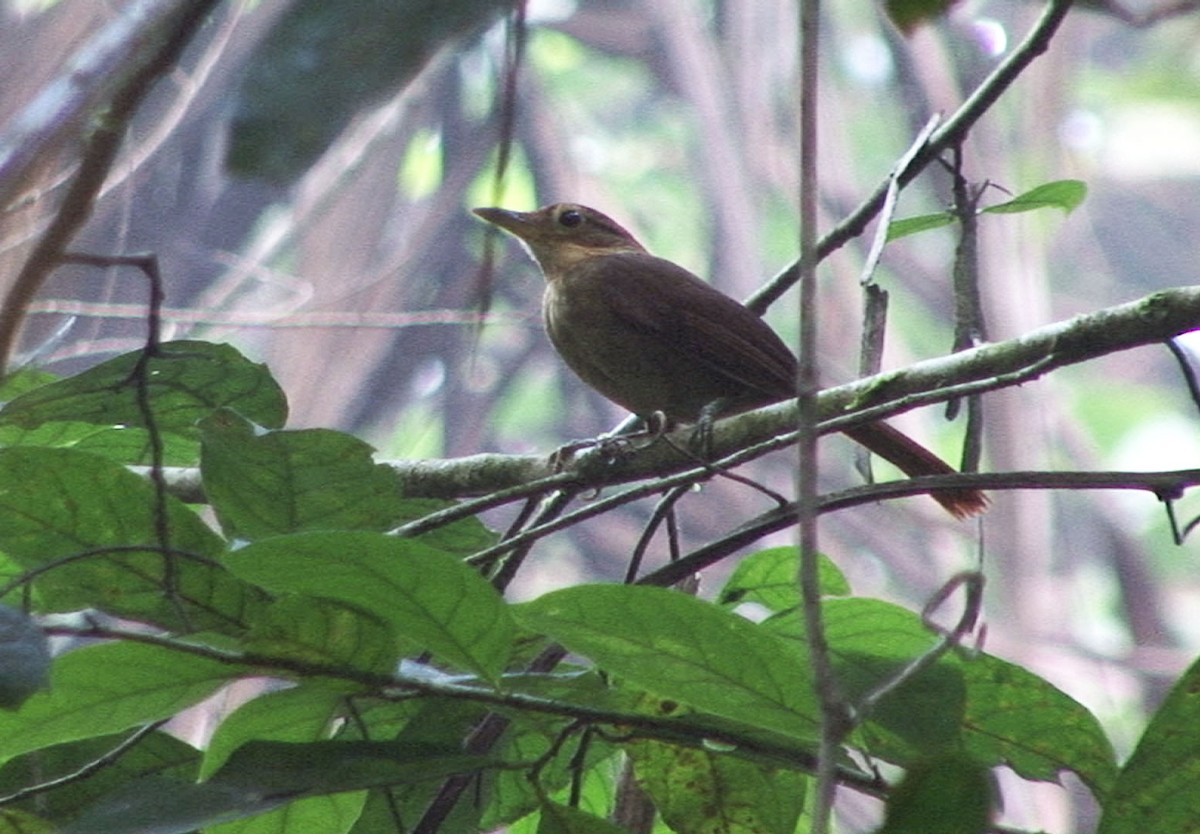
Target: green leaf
(278, 768)
(1060, 194)
(998, 712)
(23, 380)
(1156, 790)
(870, 642)
(59, 503)
(700, 791)
(24, 657)
(949, 794)
(14, 821)
(563, 819)
(909, 14)
(769, 578)
(301, 714)
(160, 805)
(922, 223)
(107, 688)
(263, 775)
(154, 753)
(1016, 718)
(426, 595)
(679, 647)
(324, 632)
(123, 444)
(186, 381)
(291, 481)
(329, 814)
(323, 62)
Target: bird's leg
(700, 448)
(702, 438)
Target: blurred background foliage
(357, 272)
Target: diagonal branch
(951, 133)
(1150, 320)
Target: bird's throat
(561, 258)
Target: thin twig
(664, 510)
(90, 769)
(970, 322)
(895, 182)
(518, 547)
(147, 264)
(835, 718)
(1163, 485)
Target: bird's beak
(519, 223)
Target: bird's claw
(610, 447)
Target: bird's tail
(914, 460)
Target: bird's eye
(570, 218)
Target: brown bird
(652, 337)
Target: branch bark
(1152, 319)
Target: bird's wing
(712, 329)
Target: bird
(656, 339)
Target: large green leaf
(323, 62)
(60, 503)
(870, 642)
(265, 484)
(998, 712)
(335, 813)
(107, 688)
(186, 381)
(124, 444)
(700, 791)
(1156, 790)
(154, 753)
(300, 714)
(426, 595)
(770, 579)
(324, 632)
(946, 794)
(1019, 719)
(263, 775)
(679, 647)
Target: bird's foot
(612, 447)
(701, 441)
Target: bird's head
(559, 236)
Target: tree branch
(492, 479)
(1149, 320)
